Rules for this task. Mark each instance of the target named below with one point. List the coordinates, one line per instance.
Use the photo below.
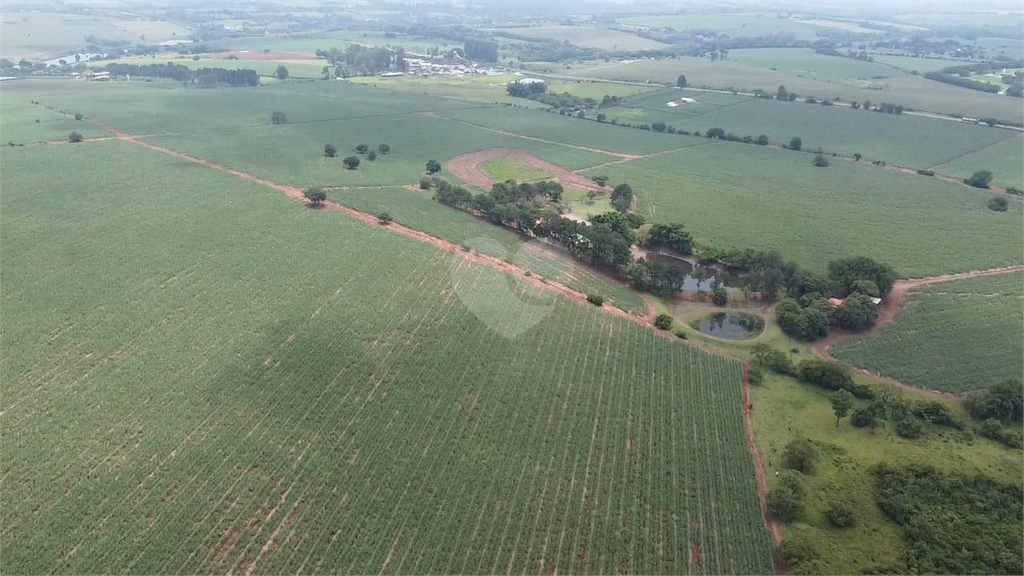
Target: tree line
(180, 73)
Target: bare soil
(891, 306)
(469, 169)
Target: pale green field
(504, 169)
(488, 89)
(737, 25)
(921, 65)
(593, 37)
(1004, 159)
(18, 122)
(39, 35)
(805, 63)
(309, 44)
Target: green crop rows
(233, 389)
(954, 336)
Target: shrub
(351, 162)
(78, 116)
(663, 322)
(425, 183)
(800, 455)
(362, 148)
(863, 418)
(796, 143)
(775, 360)
(330, 151)
(315, 195)
(980, 179)
(75, 137)
(371, 156)
(785, 500)
(798, 553)
(384, 218)
(998, 204)
(278, 117)
(755, 377)
(820, 161)
(909, 428)
(1015, 191)
(924, 172)
(719, 296)
(595, 299)
(840, 516)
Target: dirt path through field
(470, 168)
(774, 529)
(891, 306)
(534, 138)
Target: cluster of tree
(482, 50)
(1000, 404)
(952, 523)
(962, 82)
(721, 134)
(529, 209)
(180, 73)
(525, 89)
(980, 179)
(357, 60)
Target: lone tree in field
(278, 117)
(820, 161)
(842, 401)
(351, 162)
(362, 148)
(384, 149)
(998, 204)
(980, 179)
(796, 143)
(433, 166)
(622, 197)
(762, 140)
(330, 151)
(681, 81)
(78, 116)
(316, 196)
(74, 137)
(371, 155)
(281, 73)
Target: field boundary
(892, 304)
(470, 169)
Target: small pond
(731, 325)
(696, 278)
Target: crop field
(488, 89)
(806, 63)
(503, 169)
(591, 89)
(921, 65)
(920, 226)
(418, 210)
(37, 35)
(602, 38)
(735, 25)
(18, 123)
(954, 336)
(309, 44)
(1005, 159)
(877, 136)
(232, 391)
(910, 91)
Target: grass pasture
(502, 169)
(233, 391)
(588, 36)
(18, 123)
(954, 336)
(920, 226)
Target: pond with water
(731, 325)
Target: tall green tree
(622, 197)
(281, 72)
(681, 81)
(433, 166)
(842, 401)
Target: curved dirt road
(891, 306)
(469, 168)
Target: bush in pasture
(755, 377)
(909, 429)
(75, 137)
(330, 151)
(840, 516)
(857, 156)
(924, 172)
(433, 166)
(796, 143)
(384, 149)
(362, 148)
(1015, 191)
(1002, 401)
(281, 73)
(800, 455)
(762, 140)
(622, 197)
(774, 360)
(820, 161)
(315, 195)
(785, 500)
(680, 334)
(425, 183)
(78, 116)
(351, 162)
(980, 179)
(384, 218)
(595, 299)
(998, 204)
(278, 117)
(663, 322)
(371, 156)
(719, 296)
(799, 554)
(600, 180)
(842, 401)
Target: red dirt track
(891, 306)
(469, 168)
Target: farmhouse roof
(837, 302)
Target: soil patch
(470, 169)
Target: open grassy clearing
(786, 410)
(418, 210)
(911, 91)
(736, 25)
(37, 35)
(503, 169)
(954, 336)
(595, 90)
(920, 226)
(219, 395)
(18, 123)
(877, 136)
(1005, 159)
(806, 63)
(488, 89)
(589, 36)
